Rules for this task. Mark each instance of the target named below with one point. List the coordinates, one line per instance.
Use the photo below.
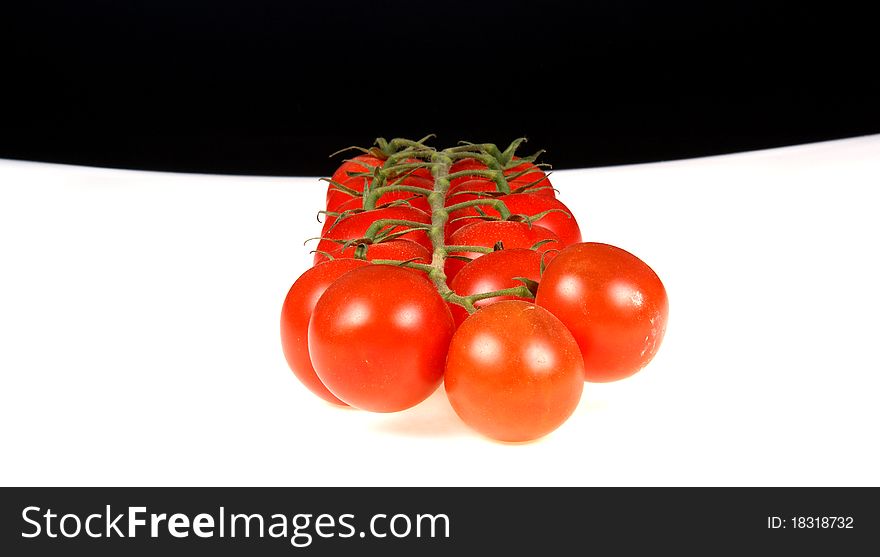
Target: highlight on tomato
(612, 302)
(378, 338)
(514, 372)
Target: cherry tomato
(560, 220)
(494, 271)
(378, 338)
(480, 185)
(514, 372)
(461, 165)
(336, 197)
(511, 234)
(355, 225)
(295, 314)
(355, 165)
(355, 203)
(613, 303)
(399, 249)
(529, 174)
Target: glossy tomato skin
(531, 175)
(614, 304)
(490, 188)
(399, 249)
(511, 234)
(355, 225)
(295, 314)
(560, 220)
(336, 197)
(514, 372)
(378, 338)
(356, 165)
(355, 204)
(494, 271)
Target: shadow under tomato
(433, 417)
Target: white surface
(139, 334)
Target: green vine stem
(403, 157)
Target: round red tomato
(494, 271)
(560, 219)
(356, 165)
(295, 314)
(514, 372)
(462, 165)
(355, 225)
(613, 303)
(354, 203)
(336, 197)
(378, 338)
(511, 234)
(399, 249)
(529, 174)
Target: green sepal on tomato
(494, 271)
(488, 233)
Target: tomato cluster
(460, 266)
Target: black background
(273, 87)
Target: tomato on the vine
(355, 225)
(490, 189)
(614, 304)
(356, 165)
(558, 217)
(398, 249)
(514, 372)
(511, 234)
(378, 338)
(337, 197)
(295, 314)
(398, 198)
(494, 271)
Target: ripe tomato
(514, 372)
(529, 174)
(561, 220)
(354, 203)
(461, 165)
(494, 271)
(491, 189)
(295, 314)
(613, 303)
(355, 225)
(355, 165)
(378, 338)
(399, 249)
(487, 233)
(336, 197)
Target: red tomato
(378, 338)
(355, 165)
(514, 372)
(355, 225)
(487, 233)
(336, 197)
(354, 203)
(613, 303)
(295, 314)
(462, 165)
(399, 249)
(561, 220)
(529, 174)
(494, 271)
(490, 187)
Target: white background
(139, 339)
